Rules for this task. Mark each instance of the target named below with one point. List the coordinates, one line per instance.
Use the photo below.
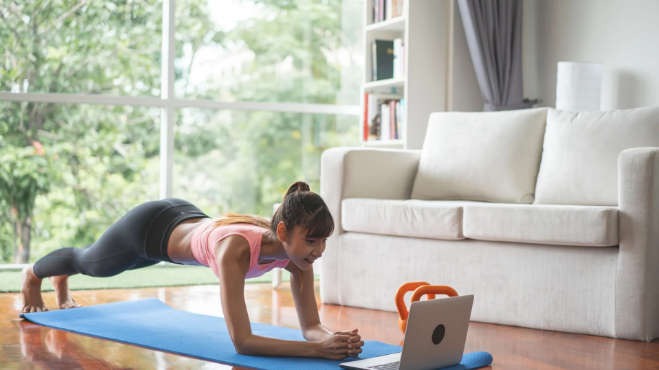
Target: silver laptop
(435, 337)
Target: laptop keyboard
(389, 366)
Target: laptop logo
(438, 334)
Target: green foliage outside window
(68, 171)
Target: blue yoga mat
(153, 324)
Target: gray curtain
(494, 37)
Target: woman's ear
(281, 231)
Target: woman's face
(302, 250)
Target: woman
(235, 247)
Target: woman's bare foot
(61, 285)
(31, 291)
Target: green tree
(308, 32)
(110, 47)
(24, 174)
(256, 155)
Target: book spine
(402, 57)
(388, 7)
(397, 58)
(379, 10)
(392, 119)
(374, 62)
(365, 126)
(403, 121)
(398, 118)
(385, 125)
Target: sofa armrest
(358, 173)
(366, 173)
(637, 306)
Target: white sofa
(550, 218)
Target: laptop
(435, 337)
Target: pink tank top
(206, 236)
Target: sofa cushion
(546, 224)
(491, 156)
(414, 218)
(580, 156)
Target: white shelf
(394, 24)
(383, 85)
(398, 143)
(425, 28)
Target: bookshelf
(385, 85)
(422, 85)
(438, 74)
(394, 24)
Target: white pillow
(580, 158)
(485, 156)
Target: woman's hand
(341, 345)
(355, 343)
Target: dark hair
(300, 207)
(304, 208)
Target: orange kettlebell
(420, 289)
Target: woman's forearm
(317, 333)
(256, 345)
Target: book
(382, 10)
(392, 120)
(388, 9)
(382, 116)
(401, 120)
(382, 57)
(402, 57)
(374, 61)
(399, 72)
(365, 125)
(397, 8)
(385, 122)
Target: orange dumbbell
(420, 289)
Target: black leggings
(138, 239)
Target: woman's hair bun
(306, 209)
(297, 186)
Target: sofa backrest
(484, 156)
(580, 156)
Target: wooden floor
(25, 346)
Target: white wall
(530, 75)
(623, 35)
(464, 93)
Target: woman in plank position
(234, 246)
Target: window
(109, 104)
(244, 161)
(282, 51)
